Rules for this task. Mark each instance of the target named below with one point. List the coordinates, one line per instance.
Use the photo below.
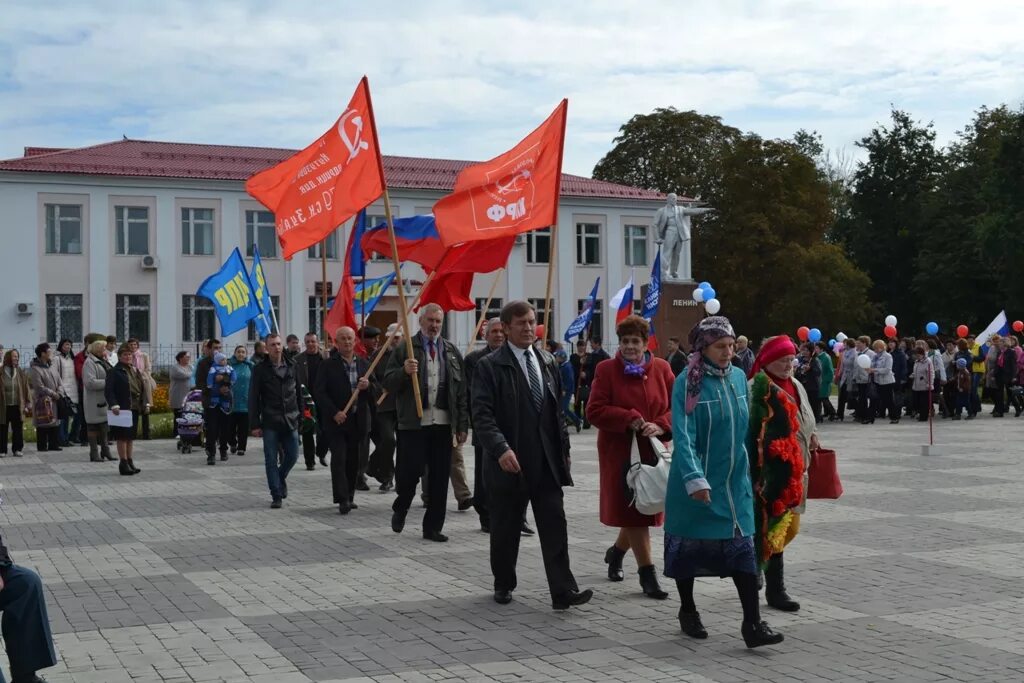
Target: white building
(126, 231)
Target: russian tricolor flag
(622, 302)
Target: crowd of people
(742, 424)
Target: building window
(197, 232)
(131, 230)
(636, 245)
(197, 318)
(541, 308)
(260, 232)
(538, 246)
(372, 221)
(63, 317)
(332, 248)
(275, 301)
(316, 314)
(596, 321)
(63, 229)
(132, 317)
(493, 311)
(588, 244)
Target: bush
(161, 399)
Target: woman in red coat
(630, 400)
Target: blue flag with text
(258, 283)
(586, 315)
(231, 293)
(368, 293)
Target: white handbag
(649, 483)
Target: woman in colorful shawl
(780, 442)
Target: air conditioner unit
(25, 308)
(150, 262)
(521, 238)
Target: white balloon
(698, 295)
(841, 337)
(713, 306)
(864, 361)
(890, 321)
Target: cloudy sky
(465, 80)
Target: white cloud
(465, 79)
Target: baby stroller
(189, 425)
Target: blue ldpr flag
(356, 263)
(258, 283)
(653, 300)
(231, 293)
(369, 293)
(585, 316)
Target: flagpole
(323, 289)
(387, 343)
(483, 313)
(552, 250)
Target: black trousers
(506, 510)
(238, 431)
(883, 402)
(430, 448)
(381, 463)
(17, 427)
(922, 405)
(47, 438)
(845, 399)
(345, 446)
(314, 445)
(144, 424)
(217, 431)
(862, 391)
(82, 436)
(480, 502)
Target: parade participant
(64, 362)
(292, 347)
(238, 423)
(630, 400)
(526, 456)
(17, 402)
(25, 624)
(124, 392)
(94, 387)
(307, 366)
(427, 442)
(341, 374)
(587, 370)
(781, 439)
(369, 337)
(211, 421)
(381, 463)
(275, 405)
(709, 508)
(676, 358)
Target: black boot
(649, 582)
(756, 635)
(691, 625)
(775, 587)
(131, 464)
(124, 469)
(613, 558)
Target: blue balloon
(814, 335)
(705, 285)
(932, 328)
(709, 293)
(831, 343)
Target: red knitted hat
(772, 350)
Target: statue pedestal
(677, 313)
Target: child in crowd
(923, 378)
(963, 390)
(219, 381)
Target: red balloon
(539, 331)
(803, 333)
(1018, 325)
(962, 331)
(890, 331)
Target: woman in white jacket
(94, 384)
(65, 364)
(884, 382)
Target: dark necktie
(433, 349)
(535, 390)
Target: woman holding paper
(124, 394)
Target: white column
(101, 316)
(515, 272)
(167, 303)
(617, 271)
(565, 275)
(298, 298)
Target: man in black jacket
(676, 358)
(307, 365)
(211, 417)
(520, 428)
(26, 626)
(494, 335)
(381, 463)
(275, 404)
(341, 374)
(587, 370)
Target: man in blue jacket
(26, 626)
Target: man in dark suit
(525, 445)
(307, 366)
(342, 373)
(381, 463)
(26, 626)
(426, 442)
(676, 358)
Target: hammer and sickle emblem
(355, 146)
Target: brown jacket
(22, 392)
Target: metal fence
(161, 356)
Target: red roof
(147, 159)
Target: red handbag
(823, 477)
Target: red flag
(450, 291)
(512, 193)
(343, 312)
(314, 191)
(481, 256)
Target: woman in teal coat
(709, 507)
(238, 425)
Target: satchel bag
(823, 477)
(648, 484)
(44, 413)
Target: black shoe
(323, 461)
(525, 530)
(579, 427)
(33, 679)
(310, 467)
(465, 504)
(124, 469)
(58, 448)
(352, 505)
(210, 460)
(104, 456)
(92, 458)
(649, 582)
(485, 527)
(361, 485)
(233, 450)
(284, 490)
(775, 586)
(756, 635)
(398, 520)
(240, 453)
(502, 597)
(613, 558)
(223, 457)
(435, 536)
(344, 509)
(385, 487)
(275, 504)
(691, 625)
(573, 599)
(131, 464)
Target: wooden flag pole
(323, 290)
(483, 313)
(387, 343)
(547, 295)
(403, 306)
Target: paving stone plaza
(183, 574)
